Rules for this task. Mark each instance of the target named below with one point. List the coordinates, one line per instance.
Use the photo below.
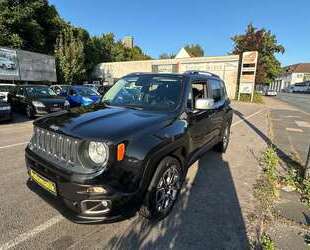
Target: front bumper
(75, 203)
(41, 111)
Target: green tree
(35, 25)
(29, 24)
(194, 50)
(263, 41)
(166, 56)
(69, 53)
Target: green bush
(306, 191)
(271, 161)
(257, 98)
(266, 242)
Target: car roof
(7, 84)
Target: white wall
(224, 66)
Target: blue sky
(166, 25)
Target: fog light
(96, 190)
(104, 203)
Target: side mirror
(204, 104)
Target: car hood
(103, 122)
(47, 101)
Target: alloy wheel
(167, 189)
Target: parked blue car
(77, 95)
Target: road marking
(292, 116)
(247, 117)
(30, 234)
(14, 145)
(294, 130)
(303, 124)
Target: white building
(292, 74)
(226, 67)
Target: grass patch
(266, 242)
(295, 178)
(305, 194)
(257, 98)
(265, 191)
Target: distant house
(291, 75)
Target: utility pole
(307, 167)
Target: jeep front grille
(56, 146)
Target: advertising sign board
(246, 88)
(26, 66)
(248, 73)
(8, 62)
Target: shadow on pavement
(17, 118)
(207, 216)
(282, 155)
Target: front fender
(173, 140)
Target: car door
(200, 125)
(24, 99)
(16, 98)
(219, 96)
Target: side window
(13, 90)
(223, 90)
(217, 91)
(20, 91)
(198, 90)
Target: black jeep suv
(132, 150)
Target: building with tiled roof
(292, 74)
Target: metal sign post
(248, 73)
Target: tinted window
(146, 92)
(217, 90)
(199, 90)
(223, 90)
(39, 91)
(19, 91)
(84, 91)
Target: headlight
(66, 103)
(98, 152)
(38, 104)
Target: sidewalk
(290, 132)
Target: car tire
(163, 190)
(29, 112)
(223, 144)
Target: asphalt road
(290, 123)
(301, 101)
(208, 215)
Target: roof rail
(198, 72)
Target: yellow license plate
(43, 182)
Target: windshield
(6, 88)
(85, 91)
(146, 92)
(40, 91)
